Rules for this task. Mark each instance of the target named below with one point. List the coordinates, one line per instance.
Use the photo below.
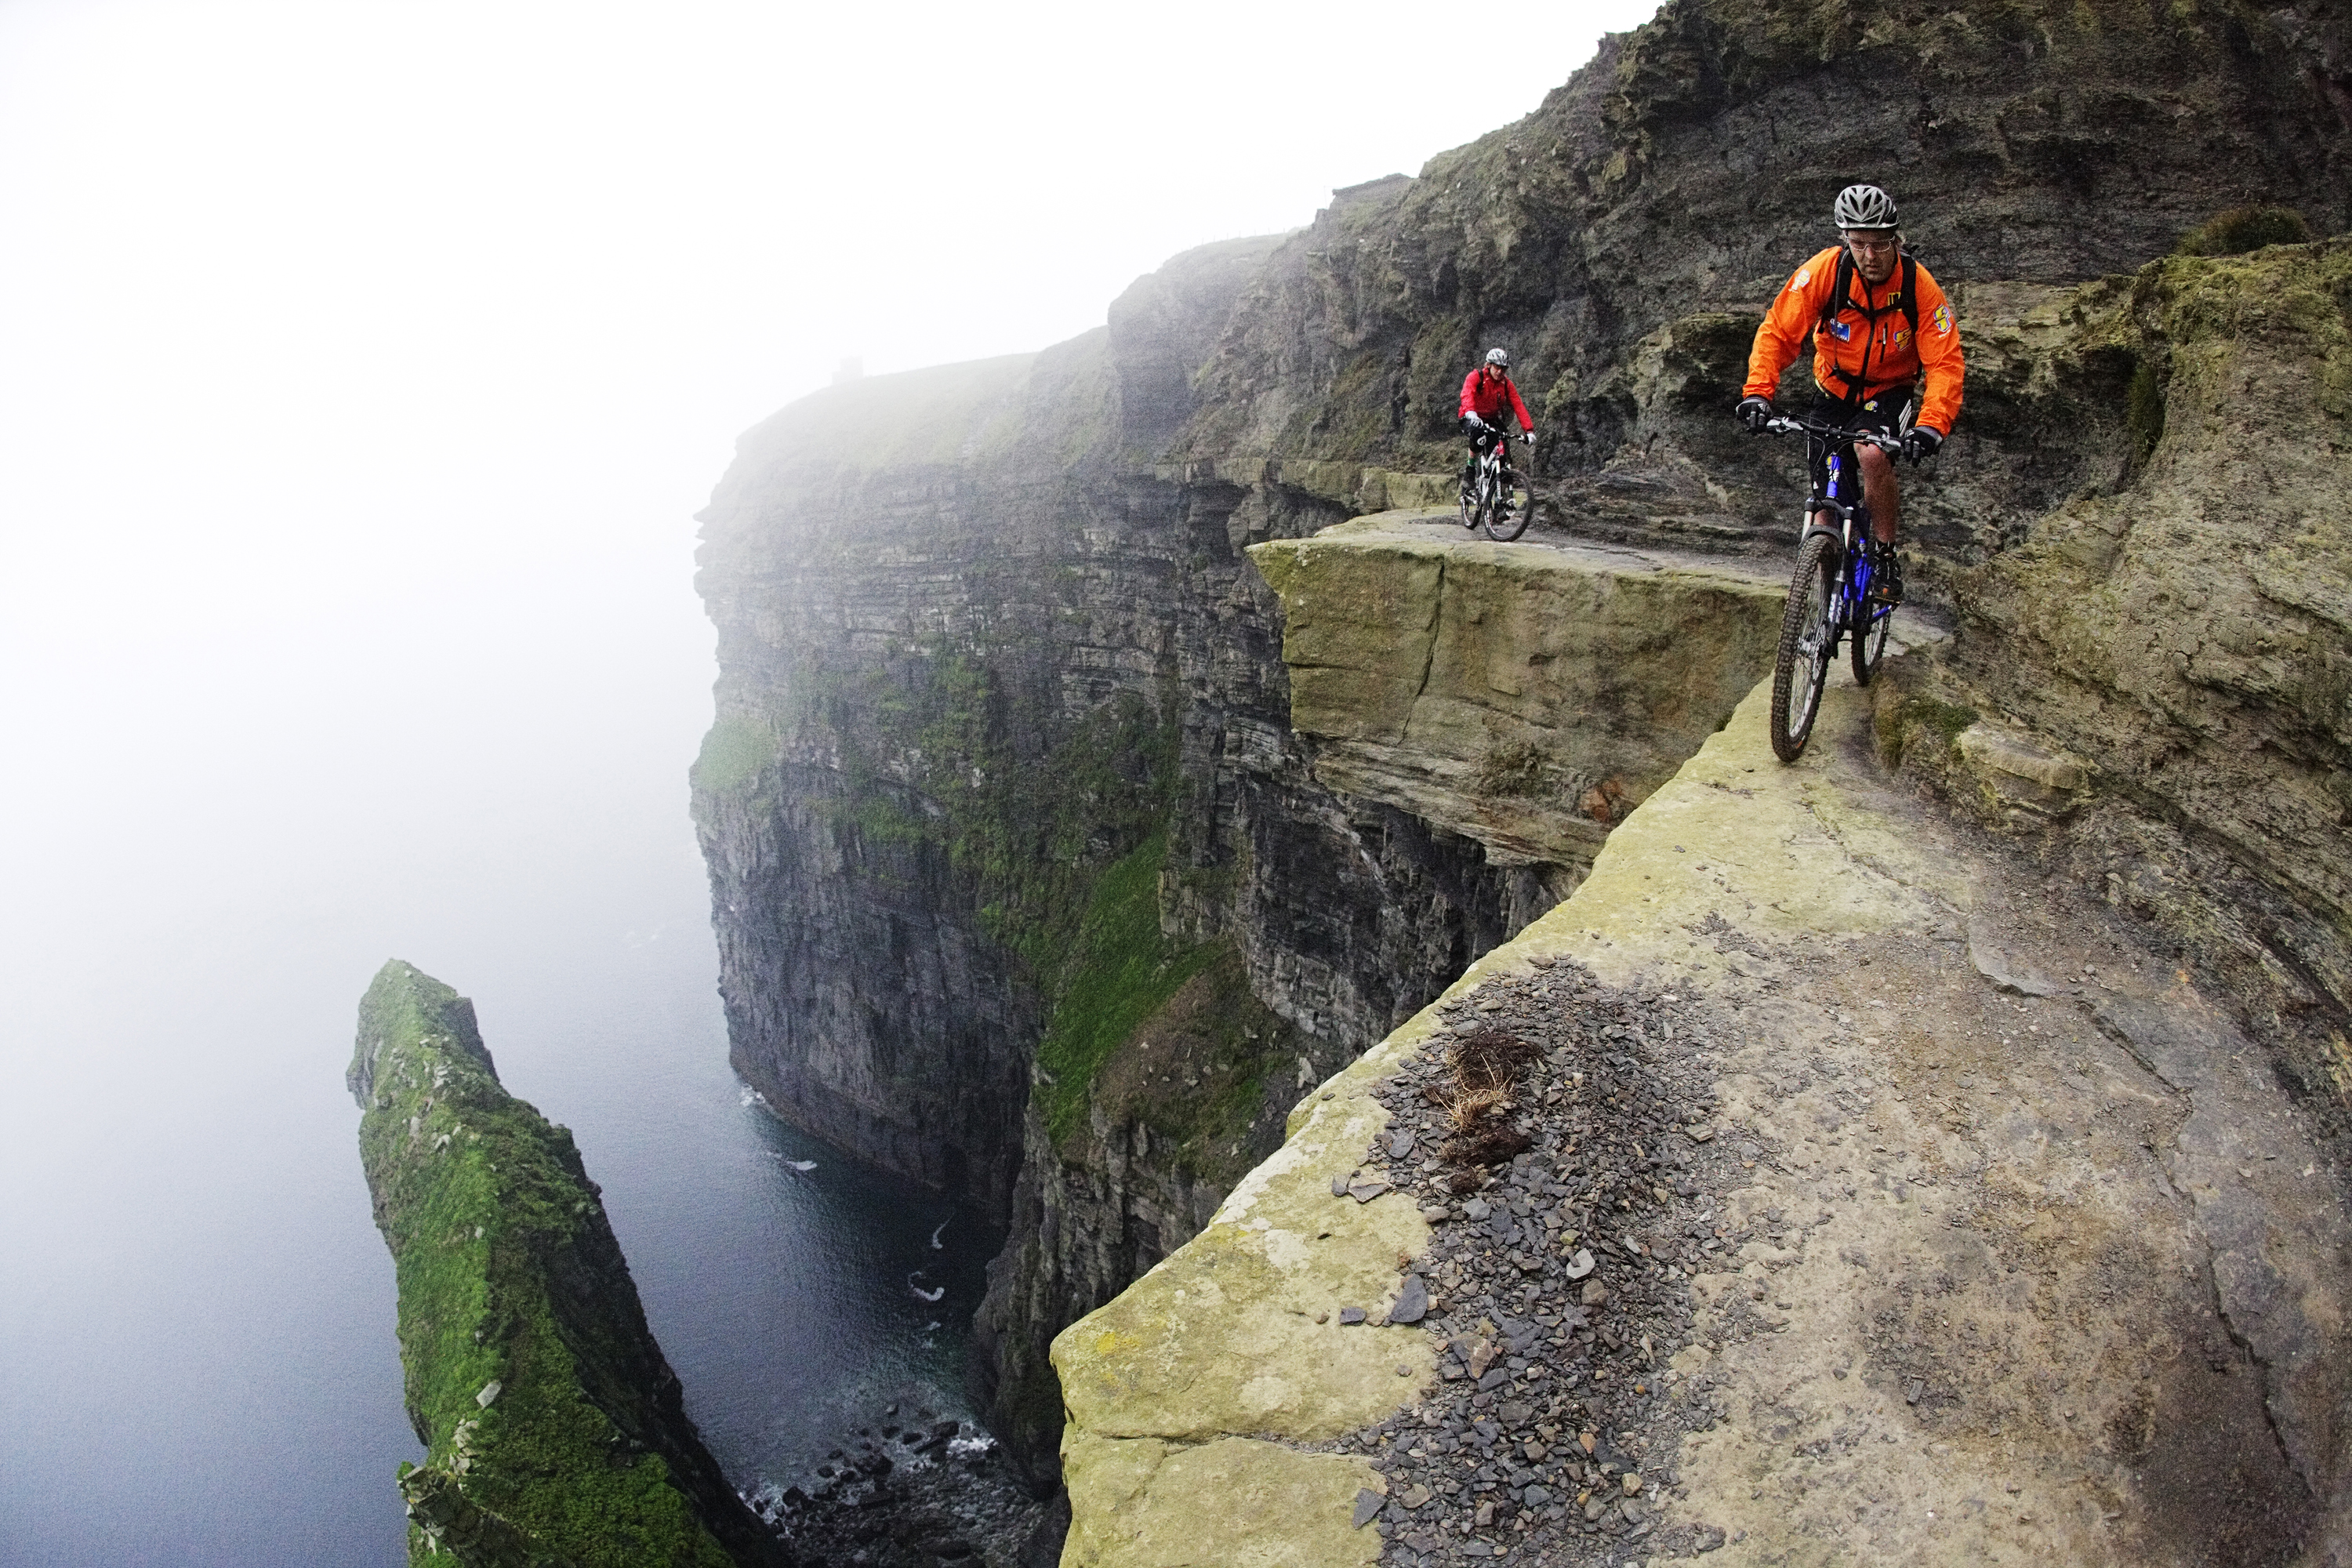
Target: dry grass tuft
(1486, 1067)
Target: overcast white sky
(350, 349)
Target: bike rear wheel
(1507, 515)
(1808, 643)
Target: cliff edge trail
(1856, 1195)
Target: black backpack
(1907, 298)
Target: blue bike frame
(1855, 613)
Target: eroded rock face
(1622, 239)
(2170, 655)
(1862, 1245)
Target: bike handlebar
(1789, 424)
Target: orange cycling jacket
(1868, 338)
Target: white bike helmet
(1497, 357)
(1866, 206)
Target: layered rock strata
(1525, 697)
(554, 1425)
(1003, 763)
(1622, 239)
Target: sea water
(235, 778)
(197, 1356)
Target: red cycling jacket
(1485, 396)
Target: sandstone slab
(1526, 695)
(1233, 1503)
(1240, 1331)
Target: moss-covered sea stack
(553, 1424)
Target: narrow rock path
(1933, 1215)
(1943, 1223)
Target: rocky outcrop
(1001, 762)
(2155, 681)
(554, 1425)
(1526, 699)
(1929, 1218)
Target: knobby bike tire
(1506, 522)
(1470, 501)
(1808, 630)
(1482, 499)
(1870, 642)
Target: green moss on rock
(1121, 971)
(2241, 229)
(732, 755)
(553, 1427)
(1900, 725)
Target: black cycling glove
(1753, 412)
(1920, 442)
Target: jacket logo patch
(1942, 320)
(1902, 336)
(1842, 332)
(1804, 275)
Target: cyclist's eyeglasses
(1873, 247)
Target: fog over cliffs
(1025, 881)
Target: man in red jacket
(1879, 323)
(1485, 393)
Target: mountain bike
(1493, 500)
(1829, 597)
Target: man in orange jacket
(1878, 321)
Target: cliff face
(1623, 239)
(1023, 878)
(2179, 646)
(962, 683)
(553, 1424)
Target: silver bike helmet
(1497, 357)
(1866, 206)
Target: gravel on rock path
(1558, 1280)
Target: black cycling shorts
(1888, 411)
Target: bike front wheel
(1506, 514)
(1870, 641)
(1808, 643)
(1476, 515)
